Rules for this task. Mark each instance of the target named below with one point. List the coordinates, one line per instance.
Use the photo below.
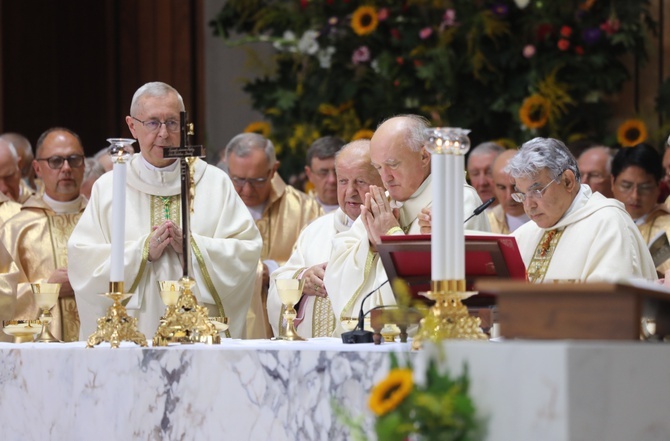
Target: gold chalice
(22, 330)
(46, 297)
(290, 291)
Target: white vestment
(354, 270)
(225, 246)
(600, 242)
(312, 248)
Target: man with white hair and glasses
(575, 234)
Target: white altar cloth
(263, 390)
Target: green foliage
(468, 63)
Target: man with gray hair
(225, 243)
(320, 170)
(575, 234)
(24, 149)
(480, 169)
(280, 212)
(595, 167)
(10, 173)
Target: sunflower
(260, 127)
(534, 112)
(364, 21)
(509, 144)
(631, 132)
(362, 134)
(389, 393)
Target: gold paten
(23, 331)
(448, 318)
(186, 321)
(117, 325)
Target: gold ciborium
(290, 291)
(23, 331)
(170, 290)
(46, 297)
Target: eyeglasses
(642, 189)
(153, 125)
(254, 182)
(56, 162)
(532, 194)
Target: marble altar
(262, 390)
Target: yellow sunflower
(364, 21)
(260, 127)
(631, 132)
(534, 112)
(362, 134)
(389, 393)
(509, 144)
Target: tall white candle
(118, 221)
(458, 178)
(439, 232)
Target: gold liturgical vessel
(117, 325)
(23, 331)
(290, 291)
(185, 321)
(46, 297)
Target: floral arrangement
(435, 407)
(506, 69)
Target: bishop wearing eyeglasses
(36, 237)
(225, 243)
(574, 234)
(280, 212)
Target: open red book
(487, 256)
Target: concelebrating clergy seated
(574, 234)
(225, 243)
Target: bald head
(355, 174)
(23, 148)
(595, 168)
(10, 174)
(503, 184)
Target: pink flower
(425, 33)
(361, 55)
(528, 50)
(383, 14)
(449, 18)
(611, 26)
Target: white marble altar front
(262, 390)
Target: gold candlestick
(448, 318)
(117, 325)
(186, 321)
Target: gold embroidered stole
(323, 318)
(369, 262)
(60, 229)
(539, 264)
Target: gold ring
(317, 287)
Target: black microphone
(479, 209)
(359, 334)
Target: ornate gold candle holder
(448, 318)
(186, 322)
(117, 325)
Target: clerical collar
(641, 220)
(327, 208)
(257, 211)
(398, 204)
(63, 207)
(151, 167)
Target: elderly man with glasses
(280, 212)
(575, 234)
(36, 237)
(225, 243)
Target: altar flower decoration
(631, 133)
(260, 127)
(457, 62)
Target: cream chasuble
(656, 221)
(8, 208)
(225, 246)
(312, 248)
(9, 278)
(36, 238)
(598, 242)
(497, 220)
(286, 213)
(354, 270)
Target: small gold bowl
(22, 330)
(220, 323)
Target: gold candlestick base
(117, 325)
(448, 318)
(186, 322)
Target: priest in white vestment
(574, 235)
(309, 258)
(354, 268)
(225, 243)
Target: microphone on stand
(359, 334)
(477, 211)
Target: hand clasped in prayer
(377, 215)
(164, 235)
